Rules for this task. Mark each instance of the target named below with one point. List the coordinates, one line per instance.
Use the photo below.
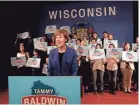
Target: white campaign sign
(33, 62)
(129, 56)
(96, 54)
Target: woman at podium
(62, 60)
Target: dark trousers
(23, 71)
(101, 74)
(136, 79)
(112, 79)
(36, 72)
(136, 75)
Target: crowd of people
(64, 61)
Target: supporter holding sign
(35, 63)
(127, 67)
(110, 41)
(97, 64)
(136, 63)
(95, 36)
(112, 67)
(84, 68)
(22, 53)
(114, 52)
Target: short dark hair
(98, 45)
(105, 32)
(95, 33)
(36, 50)
(125, 45)
(78, 39)
(112, 45)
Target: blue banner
(44, 90)
(115, 17)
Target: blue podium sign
(44, 90)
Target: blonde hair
(85, 42)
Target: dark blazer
(69, 63)
(102, 42)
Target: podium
(44, 90)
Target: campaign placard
(108, 42)
(40, 45)
(39, 39)
(23, 35)
(114, 52)
(135, 46)
(71, 45)
(50, 29)
(82, 50)
(92, 46)
(67, 28)
(17, 61)
(129, 56)
(33, 62)
(49, 48)
(96, 54)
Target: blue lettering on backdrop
(115, 17)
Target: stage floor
(106, 98)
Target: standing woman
(86, 40)
(74, 38)
(37, 71)
(53, 41)
(127, 70)
(112, 68)
(22, 53)
(62, 60)
(84, 69)
(98, 67)
(45, 67)
(110, 37)
(95, 36)
(78, 42)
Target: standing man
(136, 67)
(105, 38)
(62, 60)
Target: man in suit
(136, 67)
(62, 60)
(105, 37)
